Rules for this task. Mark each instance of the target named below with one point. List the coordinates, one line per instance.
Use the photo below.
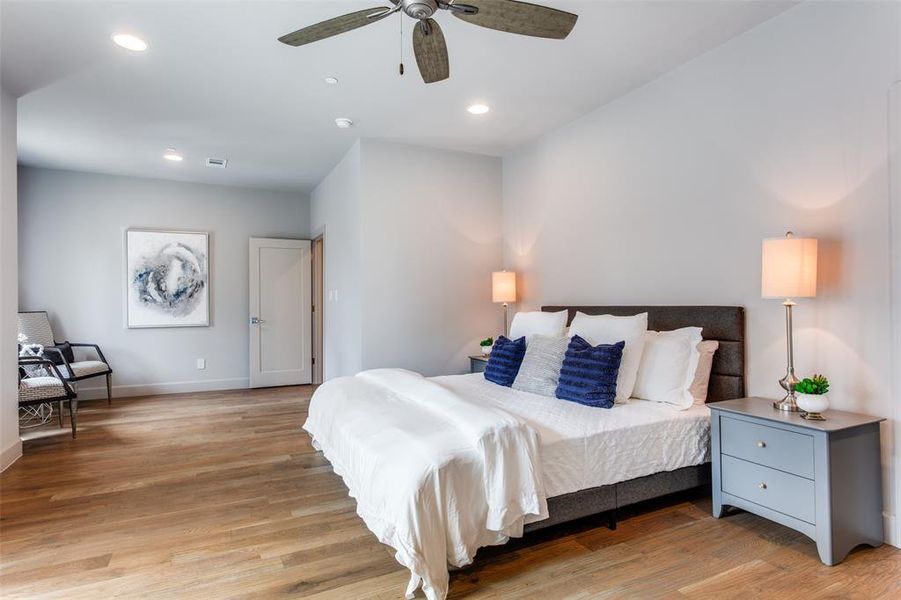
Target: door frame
(893, 521)
(317, 252)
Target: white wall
(72, 230)
(335, 214)
(10, 446)
(664, 195)
(432, 237)
(411, 237)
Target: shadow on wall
(830, 267)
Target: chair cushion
(41, 388)
(85, 367)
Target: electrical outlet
(201, 364)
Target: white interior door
(280, 317)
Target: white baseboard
(169, 387)
(890, 530)
(10, 455)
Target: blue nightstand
(477, 363)
(822, 478)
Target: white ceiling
(215, 82)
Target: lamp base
(813, 416)
(787, 404)
(506, 322)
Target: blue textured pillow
(504, 360)
(588, 374)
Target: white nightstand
(822, 478)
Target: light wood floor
(219, 495)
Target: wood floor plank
(220, 495)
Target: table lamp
(503, 290)
(789, 271)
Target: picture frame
(167, 278)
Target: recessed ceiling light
(478, 109)
(129, 42)
(331, 80)
(343, 123)
(172, 155)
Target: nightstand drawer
(769, 446)
(788, 494)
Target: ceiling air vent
(217, 163)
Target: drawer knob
(761, 444)
(761, 485)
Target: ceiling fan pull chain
(401, 44)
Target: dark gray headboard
(726, 324)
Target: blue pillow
(588, 374)
(504, 360)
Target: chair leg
(73, 409)
(59, 409)
(109, 390)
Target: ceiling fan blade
(431, 51)
(331, 27)
(520, 17)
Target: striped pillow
(504, 360)
(588, 375)
(540, 367)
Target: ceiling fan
(428, 39)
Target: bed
(725, 324)
(443, 466)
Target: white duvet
(584, 447)
(436, 476)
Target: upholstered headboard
(726, 324)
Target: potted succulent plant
(812, 398)
(486, 345)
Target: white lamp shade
(789, 268)
(503, 286)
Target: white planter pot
(486, 350)
(812, 403)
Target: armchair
(35, 325)
(44, 388)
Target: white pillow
(701, 381)
(538, 323)
(607, 329)
(668, 366)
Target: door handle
(256, 321)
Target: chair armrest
(37, 360)
(94, 346)
(34, 360)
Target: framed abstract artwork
(167, 278)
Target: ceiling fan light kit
(429, 45)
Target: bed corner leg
(611, 520)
